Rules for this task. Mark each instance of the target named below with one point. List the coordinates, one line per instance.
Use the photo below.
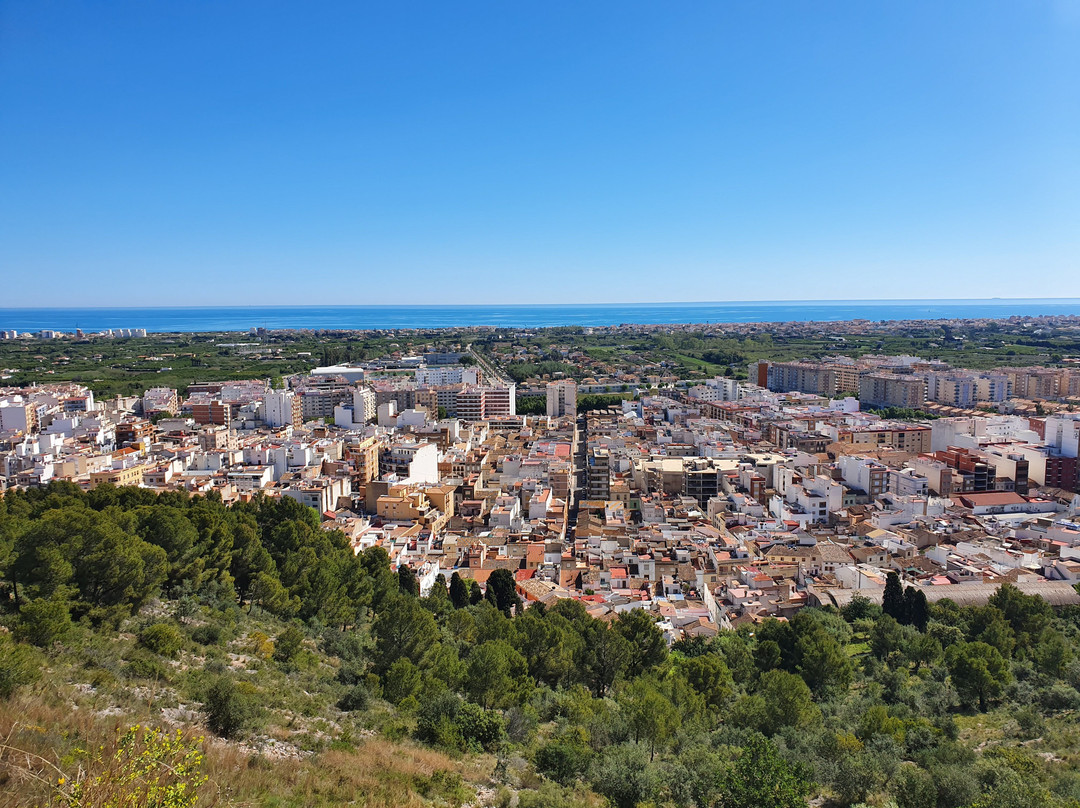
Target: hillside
(298, 673)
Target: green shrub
(208, 634)
(454, 724)
(148, 767)
(231, 709)
(44, 621)
(288, 644)
(562, 761)
(162, 638)
(145, 666)
(19, 665)
(357, 698)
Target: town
(710, 503)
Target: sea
(166, 319)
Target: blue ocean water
(243, 318)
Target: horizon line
(647, 304)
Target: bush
(230, 708)
(1059, 697)
(357, 698)
(147, 767)
(454, 724)
(144, 666)
(623, 775)
(208, 634)
(162, 638)
(562, 761)
(550, 795)
(19, 665)
(44, 622)
(288, 644)
(1031, 723)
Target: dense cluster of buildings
(713, 506)
(48, 333)
(911, 382)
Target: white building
(364, 407)
(562, 399)
(715, 389)
(453, 374)
(278, 408)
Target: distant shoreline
(233, 319)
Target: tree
(375, 562)
(760, 778)
(438, 594)
(249, 560)
(403, 629)
(606, 654)
(788, 701)
(449, 722)
(892, 602)
(109, 569)
(459, 592)
(169, 528)
(988, 624)
(860, 607)
(651, 716)
(476, 594)
(407, 583)
(1052, 653)
(268, 593)
(710, 677)
(979, 672)
(548, 642)
(494, 670)
(916, 609)
(504, 588)
(776, 645)
(45, 621)
(647, 645)
(1027, 615)
(823, 663)
(923, 649)
(886, 636)
(401, 681)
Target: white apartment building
(453, 374)
(364, 405)
(562, 399)
(715, 389)
(279, 409)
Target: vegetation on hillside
(323, 673)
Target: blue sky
(156, 153)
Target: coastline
(203, 319)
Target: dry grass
(42, 739)
(378, 773)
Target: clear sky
(168, 153)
